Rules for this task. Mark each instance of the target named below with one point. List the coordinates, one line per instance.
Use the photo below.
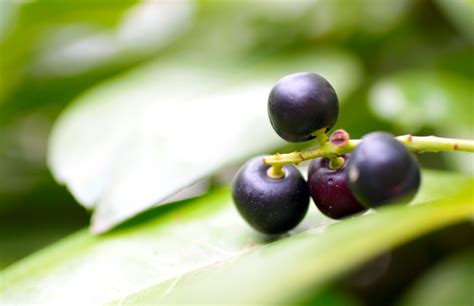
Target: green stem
(417, 144)
(435, 144)
(276, 172)
(321, 136)
(336, 162)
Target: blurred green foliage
(417, 60)
(448, 283)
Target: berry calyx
(301, 104)
(271, 206)
(330, 191)
(382, 171)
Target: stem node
(339, 138)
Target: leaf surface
(201, 248)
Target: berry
(271, 206)
(382, 171)
(300, 104)
(330, 190)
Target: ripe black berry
(330, 191)
(382, 170)
(271, 206)
(300, 104)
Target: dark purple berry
(382, 171)
(271, 206)
(330, 191)
(300, 104)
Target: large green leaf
(135, 141)
(202, 249)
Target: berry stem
(321, 136)
(340, 144)
(336, 162)
(275, 172)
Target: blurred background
(409, 64)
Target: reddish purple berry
(330, 191)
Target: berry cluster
(273, 198)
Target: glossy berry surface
(330, 190)
(300, 104)
(271, 206)
(382, 171)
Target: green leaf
(448, 283)
(319, 259)
(133, 142)
(201, 249)
(332, 297)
